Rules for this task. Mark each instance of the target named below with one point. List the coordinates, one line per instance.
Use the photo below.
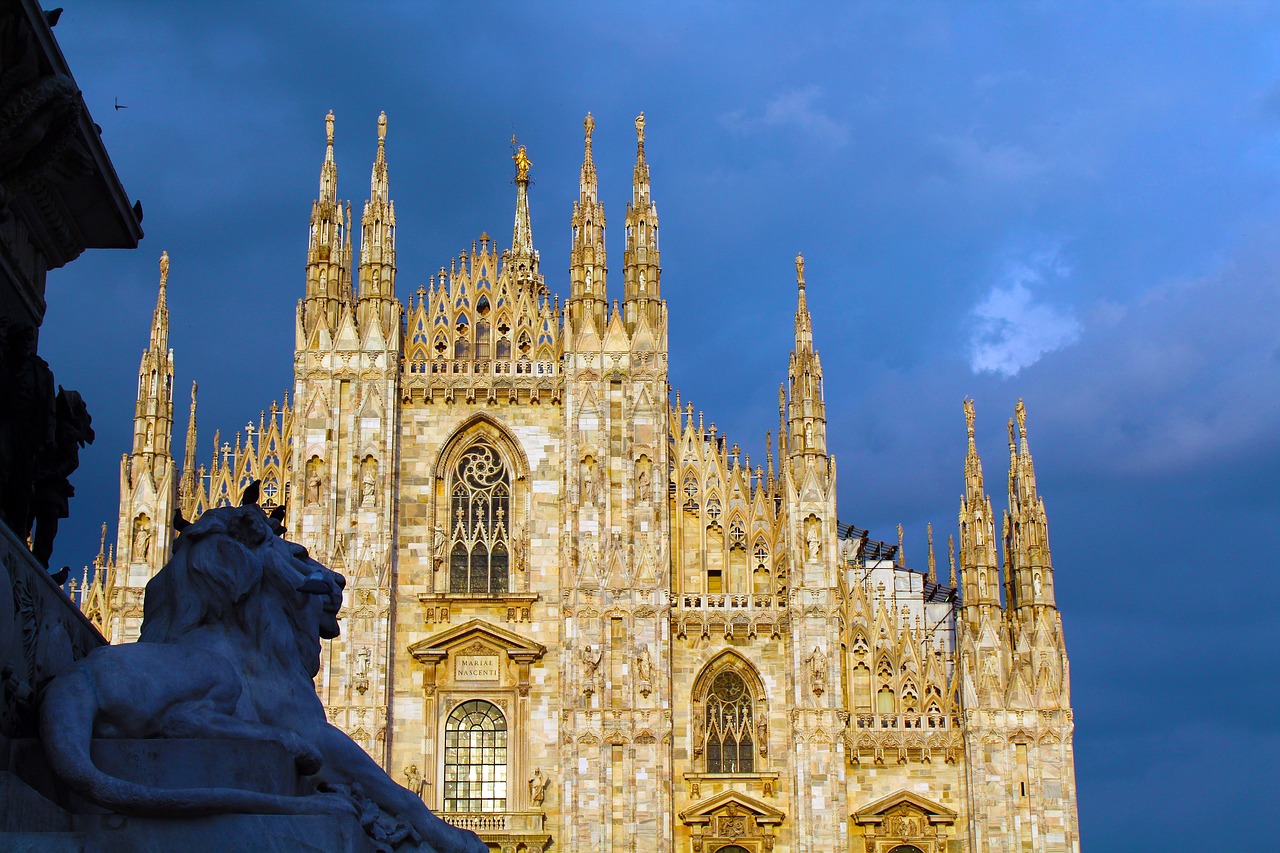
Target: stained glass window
(480, 511)
(730, 728)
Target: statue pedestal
(221, 834)
(39, 814)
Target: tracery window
(480, 518)
(475, 758)
(730, 728)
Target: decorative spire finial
(933, 567)
(164, 270)
(951, 555)
(640, 129)
(968, 416)
(522, 161)
(382, 128)
(800, 270)
(328, 130)
(1020, 411)
(589, 124)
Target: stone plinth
(40, 814)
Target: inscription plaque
(476, 668)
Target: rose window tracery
(730, 727)
(480, 520)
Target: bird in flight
(120, 106)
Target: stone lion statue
(229, 649)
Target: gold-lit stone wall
(663, 592)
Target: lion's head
(230, 570)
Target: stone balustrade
(494, 822)
(904, 721)
(729, 614)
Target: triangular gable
(875, 812)
(436, 649)
(703, 812)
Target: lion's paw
(306, 757)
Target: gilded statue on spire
(800, 269)
(968, 415)
(640, 128)
(522, 162)
(164, 267)
(382, 127)
(328, 127)
(589, 125)
(1020, 411)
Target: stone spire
(328, 249)
(522, 232)
(979, 572)
(148, 483)
(187, 484)
(522, 259)
(378, 244)
(153, 415)
(641, 270)
(160, 318)
(1028, 564)
(933, 566)
(587, 262)
(807, 411)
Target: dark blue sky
(1075, 203)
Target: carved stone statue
(58, 460)
(538, 787)
(813, 538)
(230, 647)
(369, 482)
(644, 670)
(517, 548)
(591, 481)
(643, 483)
(26, 420)
(817, 670)
(315, 480)
(413, 779)
(141, 539)
(590, 663)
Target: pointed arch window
(480, 519)
(475, 758)
(729, 725)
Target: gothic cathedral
(576, 618)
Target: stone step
(166, 763)
(235, 833)
(250, 765)
(42, 842)
(25, 810)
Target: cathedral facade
(576, 617)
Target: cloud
(799, 109)
(1184, 375)
(1002, 162)
(1012, 329)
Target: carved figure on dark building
(58, 460)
